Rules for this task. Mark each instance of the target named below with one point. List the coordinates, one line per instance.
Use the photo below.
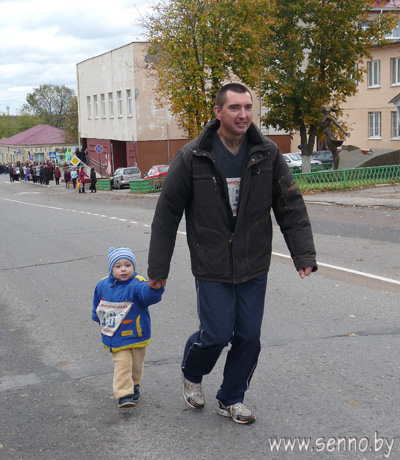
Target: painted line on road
(333, 267)
(348, 270)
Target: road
(327, 375)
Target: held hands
(156, 284)
(306, 271)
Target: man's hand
(156, 284)
(303, 272)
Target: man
(227, 180)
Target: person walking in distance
(93, 181)
(226, 181)
(81, 177)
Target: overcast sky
(41, 41)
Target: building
(373, 114)
(120, 122)
(40, 143)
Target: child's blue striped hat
(120, 253)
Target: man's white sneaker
(193, 394)
(238, 412)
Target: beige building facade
(120, 122)
(373, 113)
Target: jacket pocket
(212, 254)
(205, 192)
(261, 185)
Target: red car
(155, 172)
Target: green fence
(146, 185)
(319, 179)
(314, 168)
(103, 184)
(347, 178)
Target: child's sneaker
(126, 401)
(238, 412)
(136, 392)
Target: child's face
(123, 269)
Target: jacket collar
(204, 141)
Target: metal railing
(103, 184)
(146, 185)
(319, 179)
(347, 178)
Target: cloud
(43, 40)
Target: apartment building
(373, 114)
(120, 122)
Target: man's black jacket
(219, 249)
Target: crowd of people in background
(48, 171)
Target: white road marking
(333, 267)
(348, 270)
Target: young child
(120, 305)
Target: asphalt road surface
(327, 381)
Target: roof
(386, 5)
(38, 135)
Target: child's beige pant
(128, 370)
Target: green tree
(71, 120)
(50, 103)
(197, 45)
(315, 60)
(14, 124)
(7, 125)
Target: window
(119, 97)
(374, 74)
(96, 107)
(394, 34)
(111, 104)
(103, 105)
(374, 122)
(395, 126)
(89, 108)
(395, 63)
(129, 102)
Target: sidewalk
(385, 196)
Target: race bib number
(233, 190)
(111, 315)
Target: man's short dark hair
(235, 87)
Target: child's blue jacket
(135, 329)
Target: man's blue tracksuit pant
(228, 313)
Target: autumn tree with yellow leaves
(315, 59)
(298, 55)
(195, 46)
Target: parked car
(324, 156)
(295, 159)
(122, 176)
(155, 172)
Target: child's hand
(156, 284)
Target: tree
(71, 120)
(50, 103)
(196, 45)
(315, 60)
(14, 124)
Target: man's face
(236, 114)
